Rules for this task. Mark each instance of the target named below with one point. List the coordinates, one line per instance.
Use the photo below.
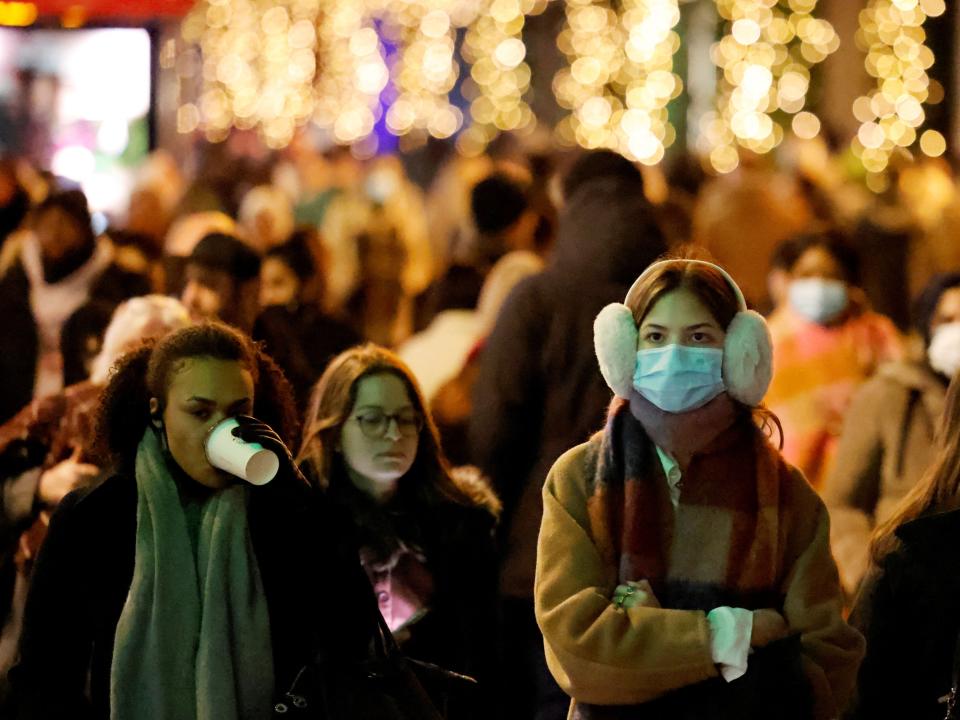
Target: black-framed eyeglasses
(375, 424)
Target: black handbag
(385, 686)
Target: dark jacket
(80, 338)
(539, 390)
(459, 631)
(909, 611)
(302, 341)
(317, 596)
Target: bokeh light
(765, 59)
(499, 79)
(892, 36)
(259, 60)
(620, 77)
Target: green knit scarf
(193, 640)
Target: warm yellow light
(188, 118)
(17, 14)
(74, 16)
(724, 159)
(746, 31)
(765, 61)
(494, 47)
(620, 76)
(932, 143)
(806, 125)
(435, 24)
(892, 34)
(510, 53)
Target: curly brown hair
(124, 410)
(334, 396)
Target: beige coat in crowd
(886, 444)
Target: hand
(252, 430)
(768, 626)
(633, 594)
(64, 477)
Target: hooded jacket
(79, 339)
(539, 391)
(886, 444)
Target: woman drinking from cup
(683, 567)
(425, 533)
(176, 590)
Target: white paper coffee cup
(249, 461)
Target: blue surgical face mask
(678, 378)
(819, 300)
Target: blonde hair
(137, 319)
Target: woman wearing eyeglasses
(425, 532)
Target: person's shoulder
(482, 502)
(101, 502)
(577, 467)
(936, 530)
(795, 490)
(879, 326)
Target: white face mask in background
(944, 350)
(818, 299)
(677, 378)
(380, 186)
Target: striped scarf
(722, 545)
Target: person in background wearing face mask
(826, 342)
(223, 281)
(55, 302)
(888, 435)
(683, 566)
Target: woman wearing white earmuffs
(684, 568)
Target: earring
(156, 419)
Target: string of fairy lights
(765, 58)
(892, 113)
(499, 76)
(460, 68)
(620, 76)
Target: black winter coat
(909, 611)
(317, 596)
(80, 338)
(302, 341)
(460, 632)
(539, 391)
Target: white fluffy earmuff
(747, 349)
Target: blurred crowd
(478, 287)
